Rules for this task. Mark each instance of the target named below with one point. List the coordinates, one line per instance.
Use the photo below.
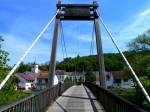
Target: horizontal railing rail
(112, 102)
(37, 102)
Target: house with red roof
(39, 80)
(26, 81)
(35, 79)
(42, 80)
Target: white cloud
(13, 43)
(86, 37)
(47, 36)
(145, 13)
(138, 25)
(143, 19)
(16, 47)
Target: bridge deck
(76, 99)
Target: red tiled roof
(27, 76)
(45, 74)
(41, 75)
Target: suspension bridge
(68, 97)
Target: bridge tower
(84, 12)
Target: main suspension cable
(26, 53)
(126, 61)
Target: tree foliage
(44, 67)
(142, 66)
(146, 82)
(90, 63)
(142, 42)
(90, 77)
(3, 60)
(24, 67)
(140, 62)
(3, 55)
(8, 92)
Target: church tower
(35, 68)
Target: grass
(130, 95)
(9, 97)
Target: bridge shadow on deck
(79, 97)
(91, 100)
(61, 107)
(85, 98)
(76, 99)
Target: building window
(107, 77)
(117, 81)
(40, 81)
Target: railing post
(59, 92)
(112, 102)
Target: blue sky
(22, 20)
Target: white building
(42, 80)
(34, 79)
(76, 76)
(35, 68)
(61, 75)
(26, 81)
(116, 79)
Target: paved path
(76, 99)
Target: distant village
(38, 80)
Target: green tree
(8, 93)
(146, 83)
(90, 77)
(24, 67)
(3, 55)
(142, 66)
(3, 60)
(9, 86)
(140, 43)
(45, 67)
